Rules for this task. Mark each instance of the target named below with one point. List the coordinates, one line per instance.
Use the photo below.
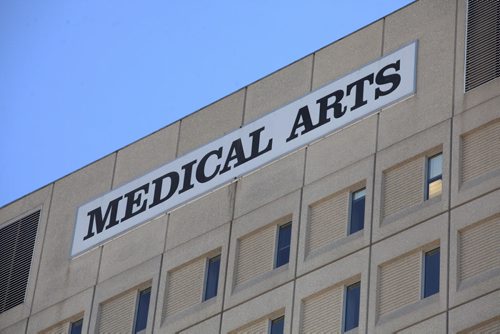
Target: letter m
(99, 221)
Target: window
(357, 211)
(76, 327)
(17, 241)
(283, 248)
(141, 315)
(212, 277)
(277, 325)
(351, 312)
(434, 184)
(431, 272)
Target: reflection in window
(434, 176)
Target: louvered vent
(489, 327)
(322, 313)
(483, 42)
(255, 255)
(479, 248)
(328, 221)
(258, 327)
(481, 151)
(185, 287)
(117, 315)
(399, 283)
(17, 241)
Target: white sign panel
(289, 128)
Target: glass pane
(212, 279)
(435, 166)
(141, 318)
(431, 271)
(435, 189)
(359, 194)
(278, 325)
(283, 249)
(76, 327)
(357, 211)
(352, 307)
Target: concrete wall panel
(432, 23)
(484, 209)
(200, 216)
(425, 144)
(341, 149)
(278, 89)
(348, 54)
(269, 183)
(146, 154)
(349, 179)
(482, 115)
(60, 275)
(211, 122)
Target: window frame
(429, 180)
(344, 307)
(140, 292)
(351, 204)
(277, 246)
(72, 323)
(425, 270)
(205, 280)
(272, 321)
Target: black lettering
(158, 183)
(256, 144)
(360, 89)
(237, 153)
(97, 219)
(303, 119)
(338, 111)
(133, 201)
(200, 170)
(188, 171)
(382, 79)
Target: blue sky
(81, 79)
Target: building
(388, 221)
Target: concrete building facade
(390, 224)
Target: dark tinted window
(357, 221)
(141, 318)
(76, 327)
(351, 314)
(431, 273)
(277, 325)
(283, 249)
(212, 278)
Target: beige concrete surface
(146, 154)
(348, 54)
(278, 89)
(61, 276)
(211, 122)
(432, 23)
